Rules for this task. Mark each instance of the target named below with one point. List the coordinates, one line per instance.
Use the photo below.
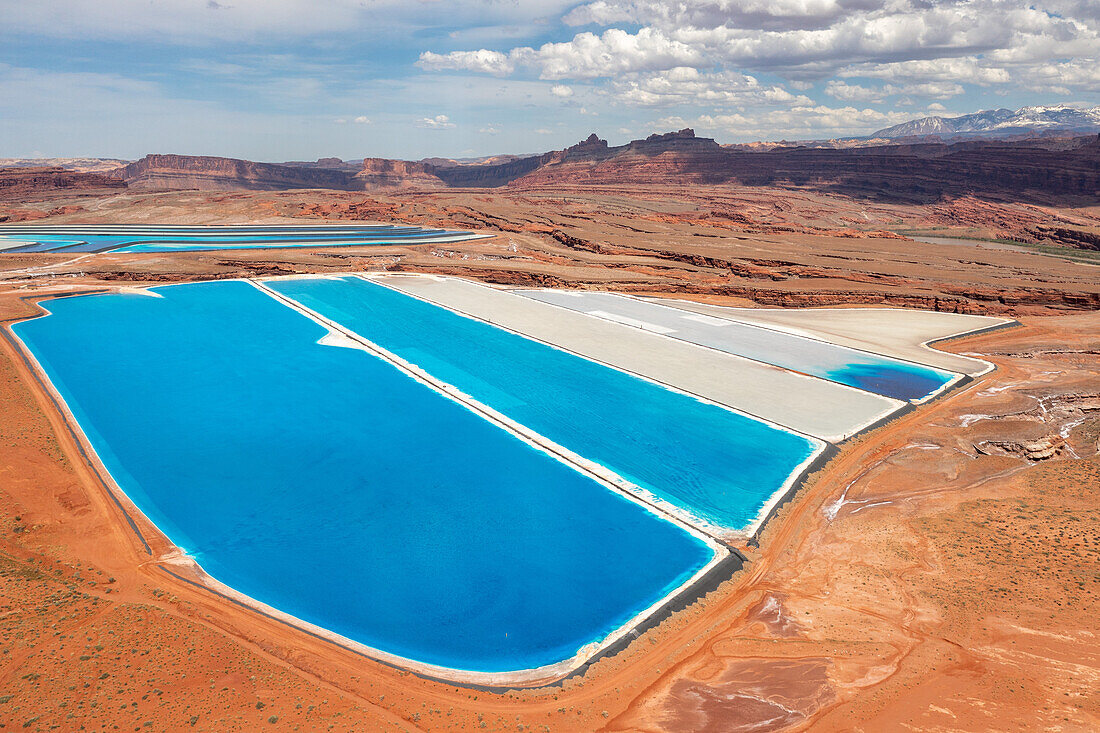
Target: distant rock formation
(503, 170)
(80, 165)
(483, 160)
(225, 174)
(683, 140)
(490, 175)
(339, 164)
(922, 171)
(20, 181)
(386, 173)
(592, 143)
(228, 174)
(917, 172)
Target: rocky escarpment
(590, 151)
(922, 173)
(208, 173)
(229, 174)
(352, 166)
(1076, 237)
(386, 173)
(912, 172)
(491, 175)
(77, 165)
(19, 182)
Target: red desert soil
(775, 247)
(930, 577)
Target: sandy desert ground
(939, 574)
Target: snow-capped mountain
(1000, 123)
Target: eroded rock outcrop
(208, 173)
(1045, 448)
(386, 173)
(923, 172)
(18, 182)
(1076, 237)
(489, 175)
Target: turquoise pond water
(326, 483)
(205, 244)
(43, 238)
(718, 465)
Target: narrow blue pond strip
(717, 465)
(97, 238)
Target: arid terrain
(774, 246)
(941, 573)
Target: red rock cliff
(227, 174)
(21, 181)
(908, 172)
(386, 173)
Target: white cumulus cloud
(856, 93)
(483, 61)
(687, 85)
(439, 122)
(799, 122)
(614, 52)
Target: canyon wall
(489, 175)
(20, 181)
(228, 174)
(923, 172)
(386, 173)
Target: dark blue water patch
(719, 465)
(898, 379)
(326, 483)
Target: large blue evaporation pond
(861, 369)
(326, 483)
(719, 465)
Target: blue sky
(300, 79)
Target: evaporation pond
(324, 482)
(860, 369)
(718, 465)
